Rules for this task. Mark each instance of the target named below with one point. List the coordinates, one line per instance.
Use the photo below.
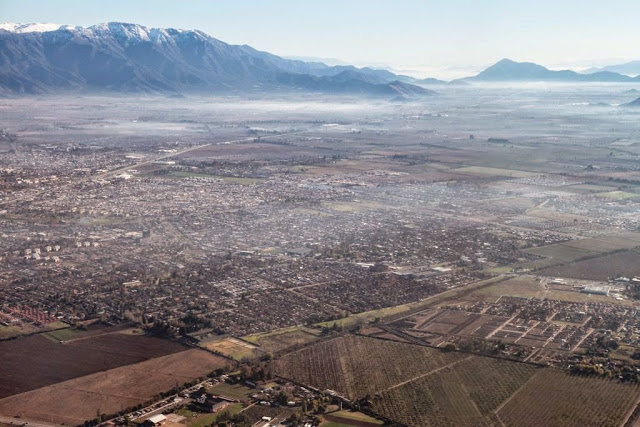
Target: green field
(620, 195)
(234, 391)
(15, 331)
(10, 331)
(208, 419)
(233, 347)
(356, 416)
(524, 286)
(63, 334)
(272, 342)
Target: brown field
(36, 361)
(357, 366)
(555, 398)
(80, 399)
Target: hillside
(121, 57)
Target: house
(212, 403)
(156, 420)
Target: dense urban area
(467, 259)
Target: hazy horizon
(437, 39)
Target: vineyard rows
(358, 366)
(463, 395)
(423, 386)
(554, 398)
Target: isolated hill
(631, 68)
(508, 70)
(121, 57)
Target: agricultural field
(350, 418)
(233, 391)
(482, 171)
(74, 401)
(465, 394)
(26, 328)
(233, 348)
(553, 397)
(358, 366)
(576, 250)
(622, 263)
(273, 342)
(195, 419)
(522, 286)
(37, 361)
(428, 387)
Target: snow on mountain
(125, 57)
(28, 28)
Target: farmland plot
(357, 366)
(555, 398)
(74, 401)
(465, 394)
(35, 361)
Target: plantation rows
(422, 386)
(359, 366)
(554, 398)
(465, 394)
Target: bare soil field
(36, 361)
(74, 401)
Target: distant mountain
(121, 57)
(507, 70)
(437, 82)
(631, 68)
(635, 103)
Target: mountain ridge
(125, 57)
(631, 68)
(508, 70)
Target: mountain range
(131, 58)
(508, 70)
(631, 68)
(122, 57)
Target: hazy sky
(443, 38)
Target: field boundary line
(435, 371)
(473, 402)
(508, 399)
(630, 412)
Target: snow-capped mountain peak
(28, 28)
